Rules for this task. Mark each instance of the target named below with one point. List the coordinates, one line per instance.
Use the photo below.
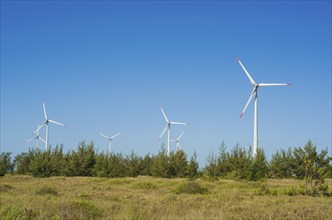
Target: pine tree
(82, 161)
(6, 166)
(192, 168)
(259, 168)
(179, 164)
(133, 165)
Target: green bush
(144, 186)
(190, 187)
(5, 188)
(46, 191)
(6, 166)
(12, 212)
(80, 209)
(292, 191)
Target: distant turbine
(168, 127)
(254, 93)
(177, 142)
(110, 142)
(37, 137)
(46, 122)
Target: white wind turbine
(110, 142)
(168, 127)
(46, 122)
(254, 93)
(37, 137)
(177, 142)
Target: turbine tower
(46, 122)
(168, 127)
(110, 142)
(37, 137)
(177, 142)
(254, 94)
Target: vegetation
(143, 197)
(6, 166)
(84, 184)
(300, 163)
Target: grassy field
(25, 197)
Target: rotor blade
(115, 135)
(27, 141)
(164, 115)
(250, 98)
(39, 127)
(104, 135)
(41, 139)
(162, 132)
(45, 111)
(179, 146)
(178, 123)
(180, 136)
(274, 84)
(245, 70)
(55, 122)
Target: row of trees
(86, 162)
(298, 163)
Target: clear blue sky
(103, 66)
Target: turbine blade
(164, 115)
(41, 139)
(249, 100)
(55, 122)
(162, 132)
(27, 141)
(178, 123)
(180, 136)
(39, 127)
(274, 84)
(245, 70)
(115, 135)
(104, 135)
(44, 111)
(179, 146)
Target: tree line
(238, 163)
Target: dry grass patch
(154, 198)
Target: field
(25, 197)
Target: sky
(109, 66)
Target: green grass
(25, 197)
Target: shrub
(190, 187)
(46, 191)
(6, 165)
(5, 188)
(80, 209)
(292, 191)
(144, 186)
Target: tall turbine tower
(254, 94)
(46, 122)
(168, 127)
(110, 142)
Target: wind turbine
(168, 127)
(254, 94)
(177, 142)
(46, 122)
(37, 137)
(110, 142)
